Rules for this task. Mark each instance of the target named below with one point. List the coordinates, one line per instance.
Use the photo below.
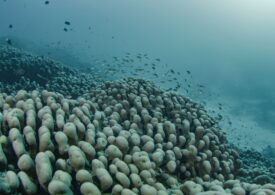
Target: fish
(157, 59)
(8, 41)
(46, 2)
(65, 29)
(67, 23)
(10, 26)
(188, 72)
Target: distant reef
(22, 70)
(67, 132)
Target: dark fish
(65, 29)
(188, 72)
(8, 41)
(47, 2)
(67, 23)
(157, 59)
(172, 71)
(10, 26)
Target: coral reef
(125, 137)
(22, 70)
(257, 168)
(269, 152)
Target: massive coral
(125, 137)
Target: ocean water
(227, 45)
(221, 53)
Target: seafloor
(63, 131)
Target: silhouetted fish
(47, 2)
(8, 41)
(67, 23)
(10, 26)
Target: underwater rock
(124, 137)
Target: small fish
(65, 29)
(157, 59)
(8, 41)
(188, 72)
(10, 26)
(47, 2)
(172, 71)
(67, 23)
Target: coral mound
(15, 63)
(125, 137)
(22, 70)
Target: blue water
(227, 45)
